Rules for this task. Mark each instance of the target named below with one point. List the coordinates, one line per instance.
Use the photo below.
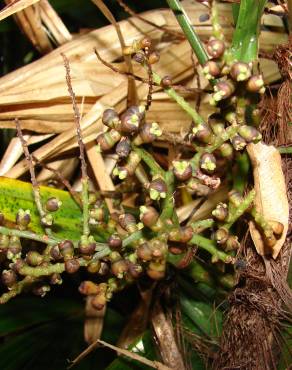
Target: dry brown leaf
(271, 194)
(166, 339)
(15, 7)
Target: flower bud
(145, 42)
(226, 150)
(4, 241)
(131, 119)
(89, 288)
(238, 142)
(153, 57)
(17, 265)
(14, 248)
(72, 265)
(53, 204)
(215, 48)
(127, 221)
(41, 290)
(135, 270)
(23, 218)
(220, 212)
(66, 248)
(182, 170)
(232, 243)
(249, 133)
(148, 215)
(166, 82)
(256, 84)
(139, 57)
(56, 279)
(157, 189)
(235, 197)
(144, 252)
(240, 71)
(123, 148)
(221, 235)
(223, 90)
(94, 267)
(119, 268)
(217, 123)
(203, 133)
(156, 270)
(277, 227)
(148, 133)
(211, 69)
(208, 162)
(115, 242)
(9, 278)
(47, 220)
(195, 186)
(110, 118)
(99, 301)
(108, 139)
(33, 258)
(97, 213)
(87, 247)
(55, 253)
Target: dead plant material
(271, 194)
(166, 339)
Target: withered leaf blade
(271, 194)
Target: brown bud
(123, 148)
(139, 57)
(226, 150)
(9, 278)
(148, 215)
(110, 118)
(17, 265)
(115, 242)
(145, 42)
(215, 48)
(41, 290)
(211, 69)
(99, 301)
(208, 162)
(221, 235)
(232, 243)
(153, 57)
(33, 258)
(277, 227)
(87, 248)
(202, 133)
(135, 270)
(72, 265)
(23, 218)
(144, 252)
(150, 132)
(238, 142)
(223, 90)
(249, 133)
(66, 248)
(255, 84)
(166, 81)
(88, 288)
(182, 170)
(107, 140)
(240, 71)
(126, 219)
(217, 123)
(220, 212)
(53, 204)
(94, 267)
(235, 197)
(119, 268)
(132, 118)
(55, 253)
(157, 189)
(56, 279)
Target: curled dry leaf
(271, 195)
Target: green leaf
(245, 38)
(203, 315)
(15, 194)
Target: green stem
(240, 209)
(188, 30)
(210, 246)
(262, 223)
(217, 29)
(150, 161)
(29, 235)
(137, 235)
(17, 289)
(285, 150)
(201, 225)
(180, 101)
(168, 203)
